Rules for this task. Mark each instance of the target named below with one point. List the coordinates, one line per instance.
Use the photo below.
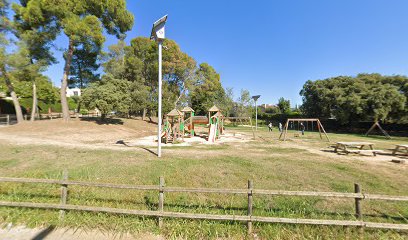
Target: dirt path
(77, 134)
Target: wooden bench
(364, 151)
(400, 148)
(344, 146)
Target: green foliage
(108, 95)
(83, 23)
(284, 105)
(366, 97)
(244, 105)
(84, 65)
(208, 90)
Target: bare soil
(77, 133)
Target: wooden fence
(5, 120)
(358, 196)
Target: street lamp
(256, 111)
(158, 34)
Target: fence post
(64, 192)
(357, 189)
(359, 213)
(161, 200)
(250, 186)
(8, 119)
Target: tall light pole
(158, 34)
(256, 111)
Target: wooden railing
(5, 120)
(358, 196)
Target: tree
(179, 74)
(84, 65)
(5, 67)
(36, 41)
(365, 97)
(81, 21)
(207, 90)
(284, 105)
(227, 102)
(142, 70)
(108, 95)
(244, 104)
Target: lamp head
(256, 97)
(158, 30)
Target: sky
(271, 48)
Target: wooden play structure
(216, 123)
(377, 124)
(180, 124)
(292, 122)
(173, 126)
(188, 114)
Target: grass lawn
(297, 164)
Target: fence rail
(358, 196)
(5, 120)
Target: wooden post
(359, 214)
(64, 193)
(320, 130)
(285, 131)
(161, 200)
(324, 131)
(250, 187)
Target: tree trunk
(64, 81)
(35, 103)
(144, 114)
(17, 107)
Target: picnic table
(359, 147)
(399, 148)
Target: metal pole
(256, 116)
(159, 122)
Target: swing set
(290, 123)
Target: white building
(73, 92)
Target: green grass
(270, 164)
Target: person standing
(302, 128)
(270, 126)
(280, 127)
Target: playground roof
(187, 109)
(218, 114)
(214, 109)
(174, 113)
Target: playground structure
(301, 120)
(173, 126)
(377, 124)
(216, 122)
(188, 122)
(180, 124)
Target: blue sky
(272, 47)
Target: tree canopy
(365, 97)
(81, 21)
